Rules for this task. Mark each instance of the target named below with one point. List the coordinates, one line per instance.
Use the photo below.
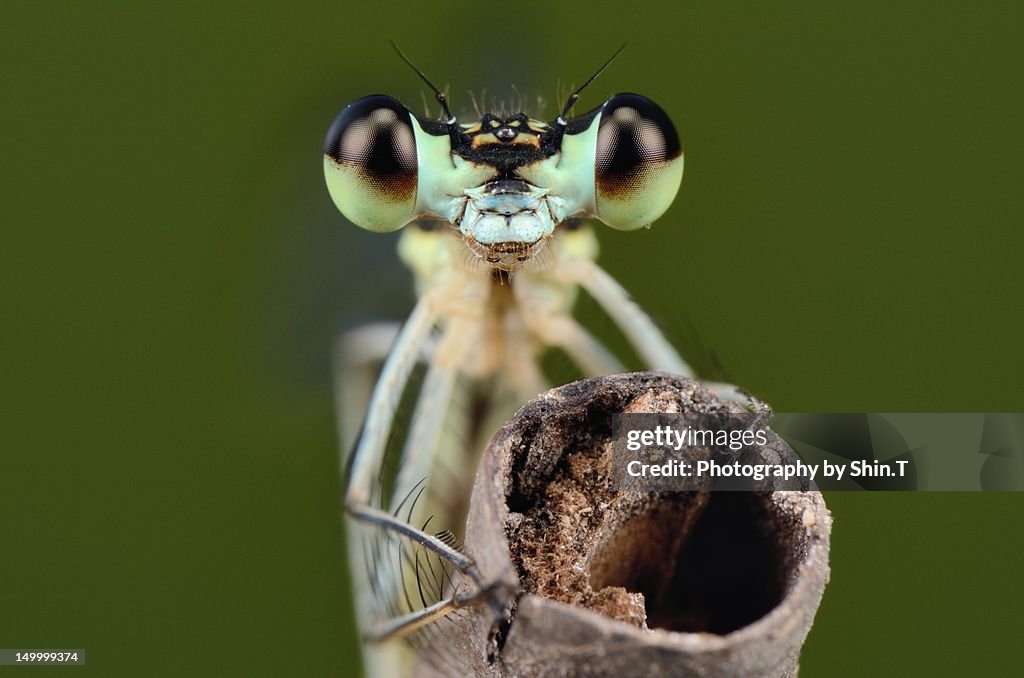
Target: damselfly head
(505, 182)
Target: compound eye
(639, 162)
(370, 163)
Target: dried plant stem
(590, 581)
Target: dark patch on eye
(635, 138)
(374, 137)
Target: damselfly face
(505, 182)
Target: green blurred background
(848, 237)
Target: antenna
(576, 95)
(441, 97)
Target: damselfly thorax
(497, 241)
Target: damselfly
(495, 235)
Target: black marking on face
(374, 136)
(504, 186)
(508, 143)
(582, 123)
(636, 137)
(505, 143)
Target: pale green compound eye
(638, 165)
(370, 163)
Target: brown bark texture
(583, 580)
